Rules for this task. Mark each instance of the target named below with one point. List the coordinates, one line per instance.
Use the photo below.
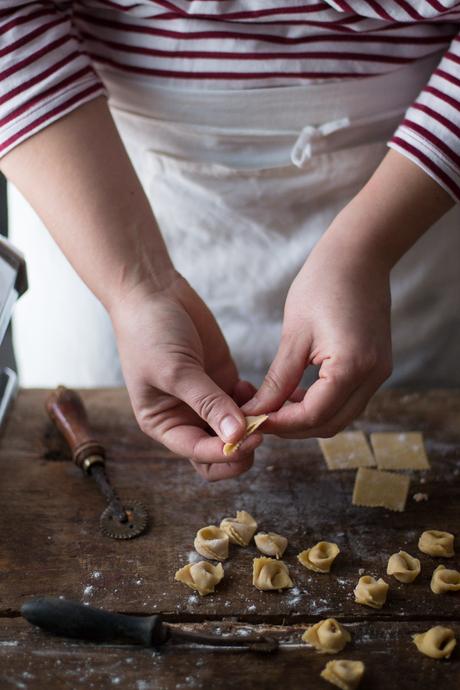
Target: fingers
(336, 422)
(243, 391)
(338, 379)
(195, 443)
(227, 470)
(210, 403)
(282, 378)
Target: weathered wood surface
(50, 545)
(30, 660)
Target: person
(282, 225)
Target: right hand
(181, 377)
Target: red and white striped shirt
(50, 52)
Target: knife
(72, 619)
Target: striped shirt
(51, 53)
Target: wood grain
(51, 545)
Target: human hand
(337, 316)
(181, 378)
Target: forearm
(77, 176)
(398, 204)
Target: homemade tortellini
(201, 576)
(271, 544)
(327, 636)
(371, 592)
(252, 423)
(445, 580)
(343, 673)
(403, 567)
(320, 557)
(241, 529)
(268, 573)
(212, 542)
(437, 642)
(436, 543)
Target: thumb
(211, 403)
(282, 378)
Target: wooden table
(51, 545)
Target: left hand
(337, 312)
(337, 316)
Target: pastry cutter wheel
(66, 410)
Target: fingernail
(229, 426)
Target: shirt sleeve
(430, 133)
(44, 73)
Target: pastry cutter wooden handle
(67, 411)
(71, 619)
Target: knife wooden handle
(72, 619)
(67, 412)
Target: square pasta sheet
(347, 451)
(377, 489)
(399, 451)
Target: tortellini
(268, 573)
(403, 567)
(445, 580)
(320, 557)
(271, 544)
(327, 636)
(437, 642)
(371, 592)
(201, 576)
(212, 542)
(343, 673)
(252, 423)
(240, 530)
(436, 543)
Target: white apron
(243, 184)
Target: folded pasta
(212, 542)
(437, 543)
(320, 557)
(240, 529)
(271, 544)
(437, 642)
(371, 592)
(343, 673)
(268, 573)
(403, 567)
(445, 580)
(327, 636)
(201, 576)
(252, 423)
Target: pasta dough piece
(267, 573)
(327, 636)
(343, 673)
(403, 567)
(371, 592)
(436, 543)
(444, 580)
(376, 489)
(399, 451)
(320, 557)
(437, 642)
(346, 451)
(271, 544)
(240, 529)
(201, 576)
(252, 423)
(212, 542)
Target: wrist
(139, 284)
